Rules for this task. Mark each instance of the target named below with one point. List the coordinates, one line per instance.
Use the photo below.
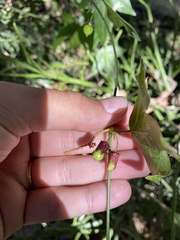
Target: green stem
(148, 9)
(122, 131)
(112, 40)
(159, 61)
(108, 190)
(108, 205)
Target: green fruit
(88, 29)
(111, 166)
(98, 155)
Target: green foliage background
(42, 44)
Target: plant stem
(174, 201)
(112, 42)
(122, 131)
(108, 191)
(148, 9)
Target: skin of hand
(41, 124)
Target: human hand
(41, 125)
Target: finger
(25, 110)
(32, 110)
(55, 143)
(124, 122)
(57, 203)
(80, 170)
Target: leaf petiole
(122, 131)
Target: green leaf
(104, 63)
(119, 22)
(154, 178)
(147, 134)
(64, 33)
(100, 30)
(123, 6)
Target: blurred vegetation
(42, 44)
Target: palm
(13, 185)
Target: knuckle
(89, 199)
(64, 172)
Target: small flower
(104, 146)
(100, 151)
(114, 156)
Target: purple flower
(104, 146)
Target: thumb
(24, 110)
(74, 111)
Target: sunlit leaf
(104, 63)
(123, 6)
(147, 134)
(100, 30)
(119, 22)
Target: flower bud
(113, 161)
(104, 146)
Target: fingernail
(114, 104)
